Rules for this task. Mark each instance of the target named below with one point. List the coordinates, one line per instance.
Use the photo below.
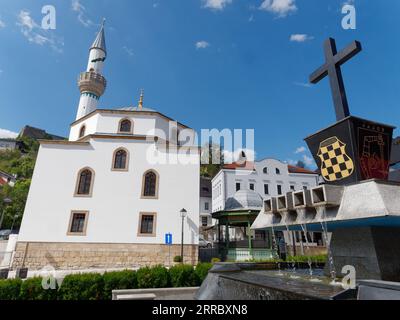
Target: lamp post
(183, 213)
(15, 218)
(6, 201)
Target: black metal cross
(332, 69)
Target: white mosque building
(108, 195)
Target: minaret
(91, 83)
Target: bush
(155, 277)
(32, 289)
(183, 276)
(215, 260)
(177, 259)
(202, 271)
(89, 286)
(119, 280)
(10, 289)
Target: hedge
(94, 286)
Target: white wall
(116, 201)
(143, 124)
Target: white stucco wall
(143, 124)
(116, 201)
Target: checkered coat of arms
(335, 163)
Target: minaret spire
(91, 83)
(140, 105)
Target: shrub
(32, 289)
(177, 259)
(202, 271)
(10, 289)
(119, 280)
(155, 277)
(183, 276)
(89, 286)
(215, 260)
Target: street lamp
(183, 213)
(15, 218)
(6, 202)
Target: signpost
(168, 242)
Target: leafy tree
(212, 160)
(300, 164)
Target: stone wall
(75, 256)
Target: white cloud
(202, 44)
(35, 34)
(129, 51)
(280, 7)
(300, 150)
(300, 37)
(7, 134)
(232, 156)
(2, 24)
(216, 4)
(309, 162)
(81, 10)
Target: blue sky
(209, 64)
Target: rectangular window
(147, 224)
(206, 206)
(292, 188)
(252, 186)
(237, 186)
(279, 189)
(204, 221)
(78, 223)
(266, 189)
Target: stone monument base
(373, 251)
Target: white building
(268, 177)
(108, 196)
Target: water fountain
(356, 205)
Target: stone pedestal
(373, 251)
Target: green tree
(212, 160)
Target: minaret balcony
(92, 82)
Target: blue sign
(168, 239)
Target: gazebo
(236, 241)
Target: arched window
(120, 159)
(265, 170)
(277, 171)
(150, 184)
(125, 126)
(82, 131)
(85, 182)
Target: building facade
(106, 197)
(8, 144)
(267, 178)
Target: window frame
(154, 231)
(114, 157)
(78, 178)
(120, 123)
(236, 186)
(82, 128)
(144, 181)
(266, 188)
(71, 219)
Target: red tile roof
(247, 165)
(293, 169)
